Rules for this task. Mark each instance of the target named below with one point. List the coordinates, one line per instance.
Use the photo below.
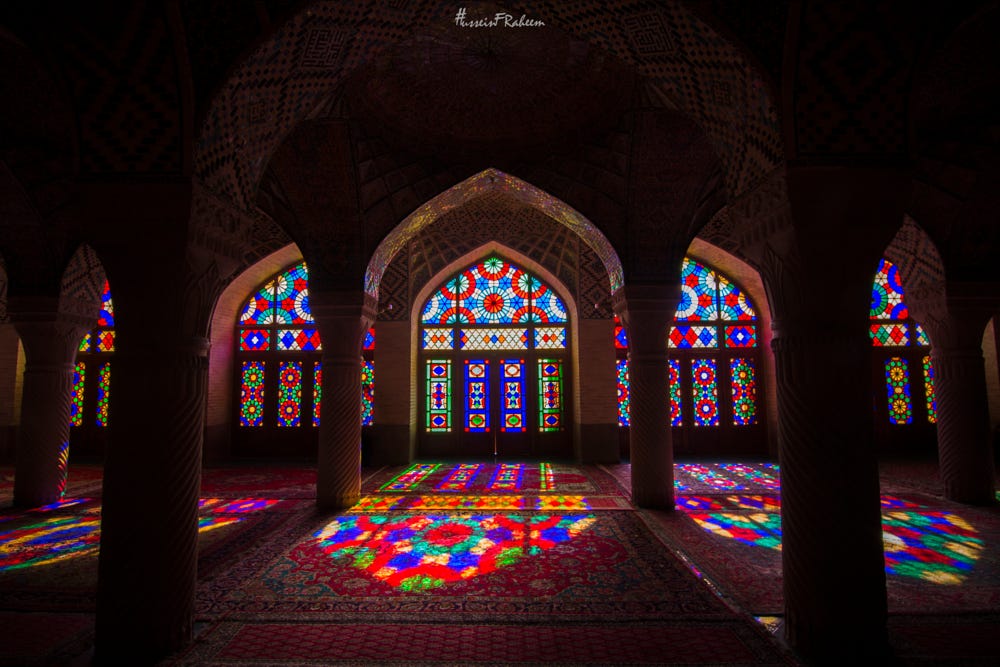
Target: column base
(653, 500)
(338, 502)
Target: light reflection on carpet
(63, 537)
(441, 502)
(421, 552)
(931, 545)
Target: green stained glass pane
(887, 294)
(889, 335)
(550, 395)
(897, 384)
(367, 392)
(85, 343)
(103, 393)
(624, 401)
(744, 388)
(252, 393)
(438, 389)
(929, 390)
(76, 398)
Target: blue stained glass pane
(733, 302)
(292, 296)
(106, 318)
(369, 342)
(477, 395)
(259, 309)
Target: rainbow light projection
(411, 477)
(61, 538)
(423, 552)
(920, 543)
(507, 477)
(460, 478)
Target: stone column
(647, 312)
(152, 479)
(50, 340)
(343, 319)
(832, 559)
(965, 443)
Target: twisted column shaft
(49, 341)
(647, 316)
(832, 552)
(152, 479)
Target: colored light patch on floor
(736, 502)
(710, 477)
(939, 547)
(50, 541)
(467, 503)
(63, 504)
(411, 477)
(759, 529)
(764, 475)
(546, 478)
(238, 506)
(507, 477)
(375, 504)
(460, 478)
(425, 551)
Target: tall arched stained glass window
(279, 367)
(493, 339)
(902, 360)
(714, 364)
(91, 390)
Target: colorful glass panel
(367, 392)
(512, 406)
(621, 338)
(438, 339)
(104, 341)
(744, 388)
(889, 335)
(733, 303)
(289, 393)
(291, 297)
(252, 393)
(624, 402)
(699, 294)
(547, 307)
(494, 299)
(85, 343)
(705, 391)
(103, 392)
(675, 392)
(550, 386)
(369, 342)
(741, 336)
(260, 308)
(106, 318)
(255, 340)
(922, 337)
(297, 339)
(477, 395)
(317, 391)
(550, 338)
(438, 395)
(76, 397)
(688, 337)
(929, 390)
(493, 339)
(887, 294)
(897, 384)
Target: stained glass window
(624, 404)
(715, 331)
(744, 391)
(252, 394)
(91, 391)
(513, 400)
(897, 384)
(550, 399)
(438, 395)
(929, 389)
(103, 393)
(276, 325)
(76, 399)
(493, 306)
(367, 392)
(906, 345)
(477, 395)
(289, 393)
(705, 392)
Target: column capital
(647, 311)
(343, 318)
(956, 318)
(48, 336)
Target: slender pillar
(649, 311)
(965, 447)
(343, 320)
(149, 526)
(50, 340)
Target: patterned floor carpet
(501, 564)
